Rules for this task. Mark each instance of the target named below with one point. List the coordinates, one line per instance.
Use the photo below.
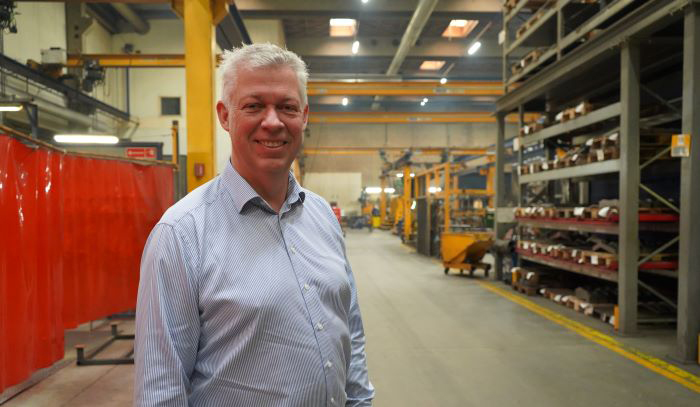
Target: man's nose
(271, 119)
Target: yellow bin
(376, 221)
(464, 250)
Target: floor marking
(665, 369)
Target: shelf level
(575, 268)
(552, 11)
(592, 227)
(610, 228)
(605, 113)
(602, 167)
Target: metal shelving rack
(624, 26)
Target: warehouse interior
(515, 179)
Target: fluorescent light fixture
(343, 27)
(86, 139)
(475, 47)
(11, 108)
(345, 101)
(425, 100)
(443, 81)
(433, 190)
(399, 175)
(432, 65)
(413, 175)
(365, 1)
(389, 190)
(373, 190)
(355, 47)
(459, 28)
(422, 103)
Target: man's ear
(222, 113)
(306, 115)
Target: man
(246, 297)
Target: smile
(271, 144)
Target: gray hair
(259, 56)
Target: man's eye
(252, 106)
(290, 108)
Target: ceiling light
(399, 175)
(443, 81)
(11, 108)
(434, 190)
(425, 100)
(389, 190)
(459, 28)
(475, 47)
(373, 190)
(85, 139)
(413, 175)
(422, 103)
(343, 27)
(432, 65)
(355, 47)
(345, 101)
(413, 205)
(365, 1)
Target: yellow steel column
(489, 184)
(199, 74)
(448, 195)
(382, 199)
(407, 203)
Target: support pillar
(199, 74)
(499, 226)
(629, 188)
(689, 255)
(407, 220)
(382, 199)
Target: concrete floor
(436, 340)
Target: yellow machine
(465, 250)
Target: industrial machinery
(453, 213)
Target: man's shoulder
(316, 201)
(192, 205)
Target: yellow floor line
(668, 370)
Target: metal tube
(656, 157)
(658, 294)
(659, 198)
(659, 250)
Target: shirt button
(319, 326)
(294, 250)
(333, 400)
(328, 364)
(306, 287)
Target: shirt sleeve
(358, 388)
(167, 321)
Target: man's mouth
(271, 144)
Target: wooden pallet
(525, 289)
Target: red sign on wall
(141, 152)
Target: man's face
(265, 120)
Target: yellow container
(376, 221)
(454, 247)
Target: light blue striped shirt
(241, 306)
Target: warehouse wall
(463, 135)
(341, 187)
(97, 40)
(148, 85)
(40, 25)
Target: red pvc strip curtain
(72, 229)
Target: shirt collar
(242, 193)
